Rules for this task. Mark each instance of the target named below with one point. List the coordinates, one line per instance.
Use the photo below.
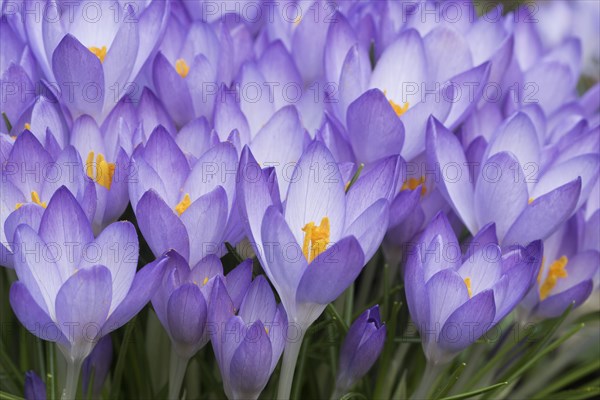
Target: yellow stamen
(413, 183)
(267, 330)
(104, 170)
(27, 126)
(468, 284)
(557, 270)
(182, 206)
(530, 200)
(182, 68)
(316, 239)
(297, 20)
(99, 52)
(205, 281)
(35, 198)
(398, 109)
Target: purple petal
(117, 249)
(445, 151)
(259, 303)
(144, 285)
(32, 316)
(173, 90)
(204, 221)
(328, 275)
(161, 228)
(378, 183)
(249, 368)
(238, 280)
(66, 227)
(317, 192)
(468, 323)
(84, 300)
(555, 305)
(500, 193)
(446, 291)
(72, 62)
(370, 227)
(169, 162)
(540, 218)
(374, 129)
(186, 313)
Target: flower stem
(177, 368)
(70, 388)
(427, 380)
(290, 357)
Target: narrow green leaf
(7, 122)
(355, 177)
(333, 313)
(120, 366)
(11, 368)
(349, 304)
(353, 395)
(8, 396)
(443, 390)
(569, 378)
(476, 392)
(576, 394)
(387, 353)
(233, 252)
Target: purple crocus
(94, 60)
(182, 302)
(74, 288)
(107, 165)
(315, 246)
(567, 274)
(249, 343)
(188, 71)
(164, 187)
(454, 299)
(35, 388)
(30, 177)
(18, 72)
(361, 348)
(506, 187)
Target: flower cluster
(145, 144)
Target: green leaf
(569, 378)
(476, 392)
(355, 177)
(576, 394)
(8, 396)
(7, 122)
(443, 390)
(120, 366)
(353, 395)
(330, 309)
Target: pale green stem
(290, 357)
(427, 380)
(177, 368)
(70, 388)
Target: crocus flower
(454, 299)
(315, 246)
(361, 348)
(18, 73)
(182, 302)
(97, 366)
(107, 165)
(247, 344)
(187, 73)
(319, 225)
(507, 188)
(567, 273)
(35, 388)
(30, 177)
(94, 60)
(163, 187)
(74, 288)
